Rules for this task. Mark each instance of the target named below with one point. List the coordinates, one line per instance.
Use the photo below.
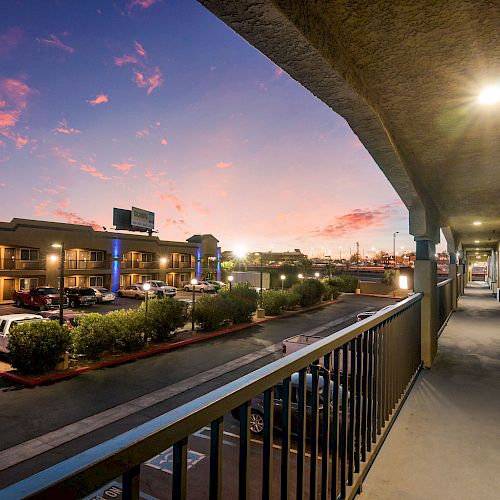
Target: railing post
(426, 283)
(452, 273)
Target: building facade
(98, 258)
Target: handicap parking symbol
(165, 460)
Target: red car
(42, 297)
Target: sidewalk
(446, 441)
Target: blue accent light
(115, 266)
(198, 264)
(218, 264)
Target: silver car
(201, 286)
(161, 289)
(103, 294)
(134, 291)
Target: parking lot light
(283, 278)
(146, 287)
(194, 282)
(230, 279)
(61, 281)
(301, 276)
(316, 275)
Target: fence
(445, 300)
(369, 368)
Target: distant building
(98, 258)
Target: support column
(452, 273)
(426, 283)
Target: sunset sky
(158, 104)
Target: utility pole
(394, 247)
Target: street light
(301, 276)
(194, 282)
(146, 287)
(230, 279)
(283, 278)
(394, 247)
(61, 281)
(316, 275)
(261, 273)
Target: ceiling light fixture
(477, 223)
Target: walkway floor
(445, 444)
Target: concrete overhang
(405, 76)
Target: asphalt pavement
(117, 395)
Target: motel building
(98, 258)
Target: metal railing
(445, 300)
(137, 264)
(87, 264)
(369, 366)
(21, 265)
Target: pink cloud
(164, 141)
(8, 118)
(278, 72)
(91, 170)
(174, 222)
(21, 142)
(172, 200)
(356, 220)
(64, 129)
(224, 164)
(10, 39)
(139, 49)
(140, 134)
(14, 93)
(54, 41)
(125, 59)
(64, 154)
(41, 208)
(74, 218)
(141, 4)
(198, 208)
(151, 81)
(158, 178)
(123, 167)
(64, 203)
(98, 99)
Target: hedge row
(37, 347)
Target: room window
(96, 281)
(96, 256)
(30, 254)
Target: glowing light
(476, 241)
(53, 258)
(316, 275)
(301, 276)
(403, 282)
(194, 281)
(163, 260)
(489, 95)
(146, 287)
(282, 277)
(477, 223)
(230, 278)
(240, 251)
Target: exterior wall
(110, 257)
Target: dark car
(68, 317)
(80, 296)
(257, 405)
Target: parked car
(367, 314)
(6, 323)
(201, 286)
(41, 297)
(103, 294)
(257, 406)
(161, 289)
(217, 284)
(79, 296)
(134, 291)
(71, 317)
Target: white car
(367, 314)
(135, 291)
(103, 294)
(201, 286)
(161, 289)
(8, 320)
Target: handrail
(445, 282)
(89, 470)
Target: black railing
(87, 264)
(445, 300)
(369, 366)
(21, 265)
(137, 264)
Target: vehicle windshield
(102, 290)
(48, 291)
(27, 320)
(86, 291)
(158, 283)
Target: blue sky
(158, 104)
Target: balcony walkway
(446, 441)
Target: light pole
(194, 282)
(230, 279)
(357, 261)
(283, 278)
(261, 273)
(146, 287)
(61, 281)
(394, 247)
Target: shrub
(92, 337)
(126, 328)
(212, 312)
(331, 290)
(164, 317)
(292, 299)
(36, 347)
(274, 302)
(310, 292)
(389, 277)
(345, 283)
(242, 301)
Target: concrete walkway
(445, 444)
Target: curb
(378, 295)
(33, 382)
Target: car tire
(19, 303)
(138, 297)
(202, 290)
(256, 422)
(186, 289)
(72, 304)
(120, 294)
(160, 295)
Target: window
(29, 254)
(146, 257)
(70, 281)
(96, 281)
(184, 257)
(145, 277)
(27, 283)
(184, 277)
(96, 256)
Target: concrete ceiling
(405, 76)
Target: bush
(310, 292)
(345, 283)
(127, 329)
(389, 277)
(243, 303)
(92, 337)
(331, 290)
(164, 317)
(292, 299)
(274, 302)
(37, 347)
(212, 312)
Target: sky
(158, 104)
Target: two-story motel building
(98, 258)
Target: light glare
(490, 95)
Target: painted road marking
(112, 491)
(165, 460)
